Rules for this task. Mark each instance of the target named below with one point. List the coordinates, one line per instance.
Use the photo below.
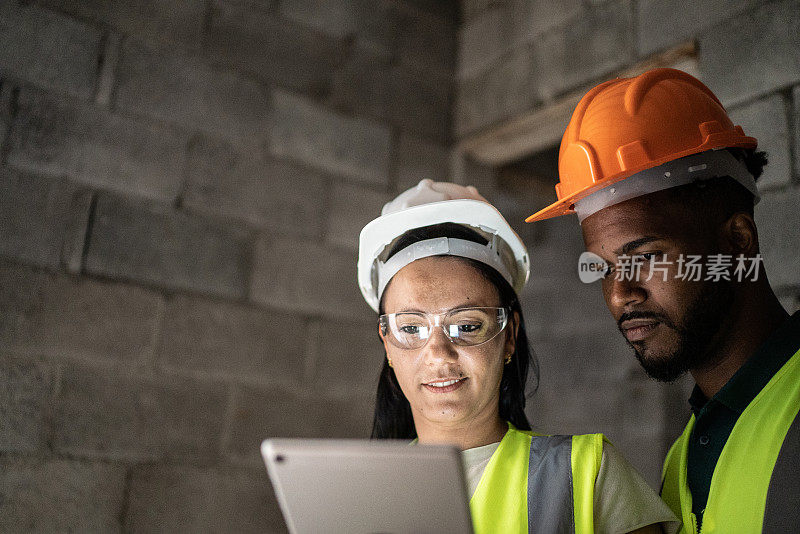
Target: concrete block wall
(166, 167)
(181, 189)
(521, 55)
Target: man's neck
(755, 315)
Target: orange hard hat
(627, 125)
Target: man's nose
(622, 294)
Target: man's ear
(741, 235)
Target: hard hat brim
(565, 206)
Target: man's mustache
(642, 315)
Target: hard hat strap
(682, 171)
(442, 246)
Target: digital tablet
(368, 487)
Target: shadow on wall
(181, 190)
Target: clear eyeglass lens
(463, 327)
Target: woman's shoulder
(588, 441)
(588, 448)
(623, 497)
(585, 445)
(599, 437)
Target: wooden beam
(542, 128)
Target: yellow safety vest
(738, 494)
(538, 483)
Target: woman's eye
(468, 328)
(409, 329)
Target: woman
(443, 269)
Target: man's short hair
(724, 196)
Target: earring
(390, 362)
(508, 359)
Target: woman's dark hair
(393, 419)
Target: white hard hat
(426, 204)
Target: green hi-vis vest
(748, 492)
(536, 483)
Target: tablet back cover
(356, 486)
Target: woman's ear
(512, 333)
(383, 339)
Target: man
(664, 187)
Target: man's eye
(649, 256)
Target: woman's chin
(446, 413)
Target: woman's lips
(445, 386)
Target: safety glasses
(464, 327)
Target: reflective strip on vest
(561, 487)
(550, 500)
(738, 493)
(541, 484)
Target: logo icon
(591, 267)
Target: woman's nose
(439, 345)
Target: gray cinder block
(182, 89)
(48, 49)
(271, 48)
(25, 390)
(52, 495)
(306, 277)
(60, 316)
(767, 120)
(753, 53)
(154, 244)
(42, 221)
(233, 341)
(349, 146)
(92, 146)
(115, 413)
(183, 498)
(270, 194)
(779, 234)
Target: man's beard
(701, 323)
